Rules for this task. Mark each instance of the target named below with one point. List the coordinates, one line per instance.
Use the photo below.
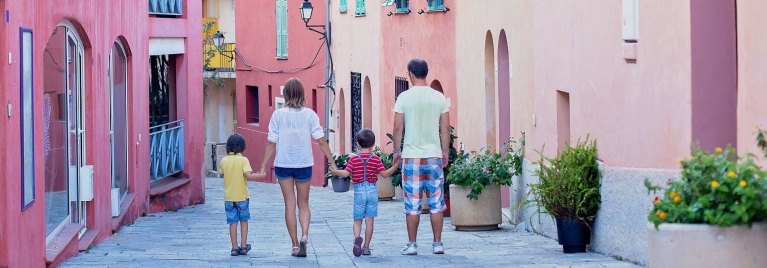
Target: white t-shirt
(292, 131)
(422, 107)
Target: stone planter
(702, 245)
(385, 189)
(475, 215)
(341, 184)
(398, 192)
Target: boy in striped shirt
(364, 168)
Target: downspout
(327, 80)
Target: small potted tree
(713, 216)
(340, 184)
(475, 181)
(568, 190)
(384, 184)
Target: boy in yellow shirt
(236, 170)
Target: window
(436, 4)
(630, 20)
(360, 11)
(314, 99)
(400, 85)
(270, 95)
(252, 104)
(27, 123)
(343, 7)
(402, 5)
(282, 29)
(118, 76)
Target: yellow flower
(743, 183)
(673, 194)
(718, 150)
(662, 215)
(677, 199)
(731, 174)
(714, 184)
(681, 160)
(692, 158)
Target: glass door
(119, 119)
(76, 125)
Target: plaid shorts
(419, 176)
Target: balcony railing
(166, 149)
(165, 7)
(223, 60)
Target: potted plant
(340, 184)
(384, 185)
(475, 187)
(568, 190)
(713, 216)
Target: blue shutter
(343, 7)
(360, 8)
(282, 29)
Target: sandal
(295, 252)
(357, 250)
(302, 247)
(235, 251)
(244, 250)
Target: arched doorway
(119, 117)
(504, 103)
(436, 85)
(63, 128)
(490, 114)
(367, 105)
(342, 121)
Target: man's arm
(444, 136)
(399, 125)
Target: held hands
(397, 157)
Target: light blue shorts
(237, 211)
(365, 200)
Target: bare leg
(233, 234)
(287, 186)
(436, 225)
(244, 230)
(368, 231)
(412, 226)
(357, 228)
(304, 214)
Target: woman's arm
(326, 151)
(267, 155)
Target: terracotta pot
(703, 245)
(385, 188)
(476, 215)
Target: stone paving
(197, 236)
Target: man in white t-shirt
(423, 111)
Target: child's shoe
(357, 250)
(244, 250)
(365, 251)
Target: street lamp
(306, 11)
(218, 39)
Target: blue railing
(165, 7)
(166, 147)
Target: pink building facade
(273, 47)
(84, 134)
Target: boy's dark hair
(418, 68)
(235, 144)
(366, 138)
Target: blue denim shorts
(298, 174)
(237, 211)
(365, 200)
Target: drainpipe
(327, 79)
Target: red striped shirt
(355, 166)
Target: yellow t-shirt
(234, 168)
(422, 106)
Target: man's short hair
(418, 68)
(366, 138)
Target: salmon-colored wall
(639, 113)
(752, 76)
(98, 24)
(430, 36)
(257, 43)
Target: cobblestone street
(197, 237)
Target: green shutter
(282, 29)
(360, 8)
(343, 7)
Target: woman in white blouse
(291, 129)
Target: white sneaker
(411, 249)
(438, 248)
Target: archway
(342, 121)
(490, 114)
(436, 85)
(504, 103)
(119, 117)
(367, 105)
(64, 128)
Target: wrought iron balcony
(165, 7)
(166, 148)
(222, 60)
